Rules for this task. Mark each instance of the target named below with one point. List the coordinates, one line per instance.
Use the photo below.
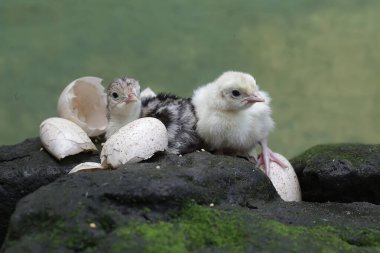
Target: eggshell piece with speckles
(285, 180)
(136, 141)
(62, 138)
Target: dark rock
(340, 173)
(113, 198)
(196, 203)
(23, 169)
(208, 209)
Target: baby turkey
(234, 116)
(123, 103)
(177, 114)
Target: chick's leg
(267, 156)
(251, 156)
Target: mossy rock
(204, 229)
(195, 228)
(24, 168)
(196, 203)
(149, 190)
(340, 173)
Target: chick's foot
(268, 156)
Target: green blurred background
(319, 60)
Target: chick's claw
(268, 156)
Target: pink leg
(267, 156)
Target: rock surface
(24, 168)
(195, 203)
(339, 173)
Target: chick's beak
(130, 98)
(255, 97)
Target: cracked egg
(61, 138)
(284, 180)
(134, 142)
(84, 102)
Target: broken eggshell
(62, 137)
(86, 166)
(134, 142)
(84, 102)
(147, 92)
(284, 180)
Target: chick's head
(237, 91)
(122, 94)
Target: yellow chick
(234, 116)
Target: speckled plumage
(177, 114)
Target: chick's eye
(114, 95)
(235, 93)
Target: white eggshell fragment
(284, 180)
(134, 142)
(84, 102)
(62, 138)
(147, 92)
(86, 166)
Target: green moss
(352, 153)
(54, 233)
(106, 222)
(208, 226)
(275, 235)
(193, 228)
(362, 237)
(202, 229)
(146, 210)
(158, 237)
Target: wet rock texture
(23, 169)
(340, 173)
(195, 203)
